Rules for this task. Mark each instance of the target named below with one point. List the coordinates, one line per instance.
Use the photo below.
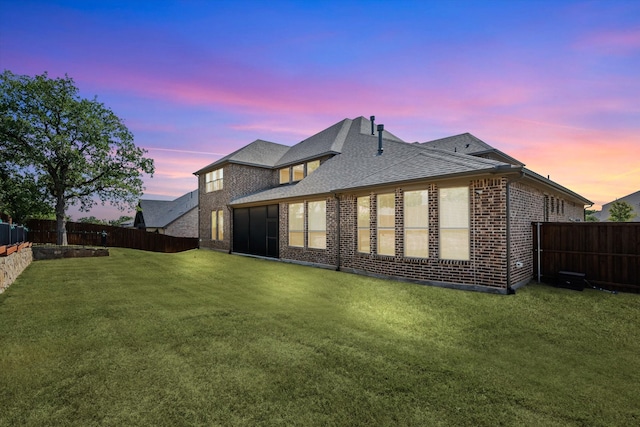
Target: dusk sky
(555, 84)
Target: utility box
(570, 280)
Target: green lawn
(204, 338)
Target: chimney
(373, 119)
(380, 129)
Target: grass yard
(204, 338)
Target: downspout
(539, 244)
(522, 174)
(335, 195)
(230, 222)
(584, 212)
(199, 207)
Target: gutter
(546, 181)
(452, 176)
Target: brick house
(454, 212)
(177, 217)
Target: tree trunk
(61, 224)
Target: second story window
(297, 173)
(311, 166)
(214, 180)
(284, 176)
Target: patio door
(255, 230)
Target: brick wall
(486, 266)
(531, 204)
(489, 231)
(239, 180)
(328, 256)
(185, 226)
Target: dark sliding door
(255, 230)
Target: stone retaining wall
(55, 252)
(11, 266)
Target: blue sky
(553, 83)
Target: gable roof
(259, 153)
(469, 144)
(161, 213)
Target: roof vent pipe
(373, 119)
(380, 129)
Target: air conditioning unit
(570, 280)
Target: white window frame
(363, 224)
(294, 228)
(214, 180)
(416, 224)
(317, 224)
(384, 231)
(454, 220)
(217, 225)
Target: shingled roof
(358, 164)
(326, 142)
(259, 153)
(270, 154)
(468, 144)
(353, 162)
(161, 213)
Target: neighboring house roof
(633, 199)
(469, 144)
(161, 213)
(259, 153)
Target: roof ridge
(468, 135)
(446, 154)
(338, 143)
(453, 136)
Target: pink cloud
(189, 152)
(612, 41)
(598, 164)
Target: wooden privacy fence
(608, 253)
(44, 231)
